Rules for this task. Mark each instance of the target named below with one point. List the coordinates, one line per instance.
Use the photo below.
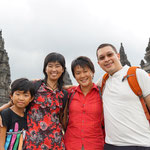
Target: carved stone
(142, 63)
(123, 57)
(4, 73)
(146, 66)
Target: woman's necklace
(52, 88)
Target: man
(126, 125)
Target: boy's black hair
(82, 61)
(53, 57)
(22, 84)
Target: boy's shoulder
(6, 115)
(6, 111)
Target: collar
(78, 88)
(44, 89)
(121, 71)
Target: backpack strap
(64, 113)
(104, 79)
(134, 85)
(100, 93)
(70, 98)
(102, 117)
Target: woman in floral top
(44, 128)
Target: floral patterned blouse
(44, 129)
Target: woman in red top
(44, 129)
(84, 130)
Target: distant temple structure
(5, 78)
(123, 57)
(4, 73)
(146, 66)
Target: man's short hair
(104, 45)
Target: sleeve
(5, 117)
(144, 81)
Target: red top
(84, 126)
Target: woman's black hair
(53, 57)
(82, 61)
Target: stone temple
(123, 57)
(4, 73)
(144, 65)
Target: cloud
(32, 29)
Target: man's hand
(7, 105)
(68, 86)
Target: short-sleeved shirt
(125, 120)
(84, 126)
(14, 124)
(9, 118)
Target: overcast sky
(33, 28)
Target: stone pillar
(4, 73)
(146, 66)
(123, 57)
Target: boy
(14, 118)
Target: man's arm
(7, 105)
(147, 100)
(68, 86)
(2, 137)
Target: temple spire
(146, 65)
(1, 41)
(147, 54)
(4, 73)
(123, 57)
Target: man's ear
(118, 55)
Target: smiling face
(109, 60)
(83, 76)
(54, 70)
(21, 99)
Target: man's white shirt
(125, 120)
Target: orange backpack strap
(134, 85)
(104, 79)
